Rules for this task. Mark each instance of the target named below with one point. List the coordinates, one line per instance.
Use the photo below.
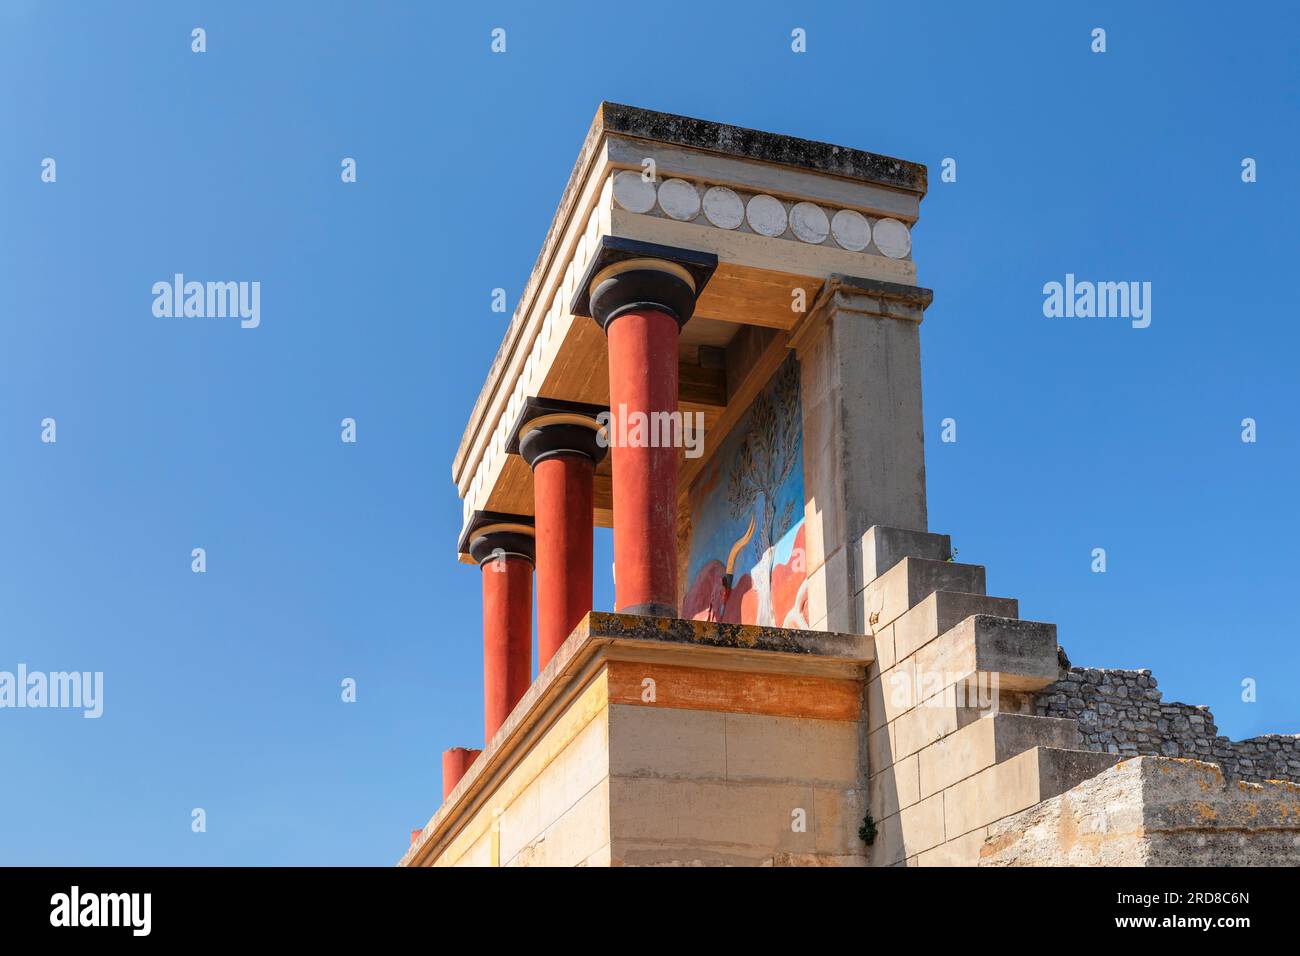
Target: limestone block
(961, 851)
(683, 816)
(934, 719)
(520, 821)
(887, 850)
(1154, 811)
(987, 741)
(896, 693)
(1015, 784)
(829, 596)
(667, 742)
(942, 611)
(478, 854)
(574, 772)
(911, 581)
(880, 747)
(884, 651)
(817, 590)
(793, 749)
(571, 839)
(895, 787)
(837, 815)
(599, 858)
(1022, 654)
(922, 825)
(881, 548)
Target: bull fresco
(746, 560)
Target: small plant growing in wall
(867, 832)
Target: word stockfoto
(209, 300)
(58, 689)
(1102, 300)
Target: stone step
(988, 653)
(967, 666)
(911, 581)
(881, 548)
(1017, 783)
(942, 611)
(988, 740)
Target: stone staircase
(953, 739)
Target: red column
(507, 637)
(562, 491)
(641, 294)
(643, 378)
(455, 762)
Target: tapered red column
(455, 762)
(643, 381)
(562, 442)
(503, 547)
(562, 490)
(642, 294)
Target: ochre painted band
(517, 528)
(657, 265)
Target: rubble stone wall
(1121, 712)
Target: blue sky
(328, 560)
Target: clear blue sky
(328, 560)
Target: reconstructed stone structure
(718, 355)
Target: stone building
(718, 356)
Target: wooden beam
(753, 357)
(698, 386)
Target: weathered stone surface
(883, 547)
(1121, 712)
(941, 611)
(1154, 811)
(757, 145)
(1022, 654)
(911, 581)
(672, 630)
(1016, 784)
(987, 741)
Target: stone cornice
(766, 147)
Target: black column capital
(492, 534)
(546, 427)
(626, 274)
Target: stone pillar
(864, 453)
(503, 547)
(455, 762)
(562, 442)
(641, 294)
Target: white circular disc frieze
(809, 223)
(633, 193)
(892, 238)
(851, 230)
(723, 208)
(766, 215)
(679, 200)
